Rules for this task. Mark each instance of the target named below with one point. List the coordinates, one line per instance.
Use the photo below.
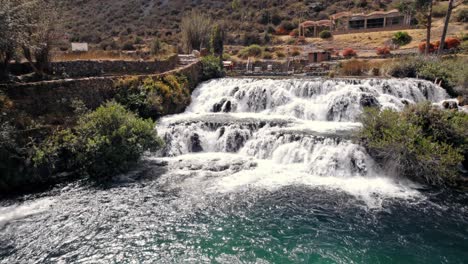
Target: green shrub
(401, 38)
(280, 55)
(139, 40)
(156, 46)
(422, 143)
(105, 143)
(211, 68)
(153, 98)
(288, 25)
(451, 72)
(251, 51)
(325, 34)
(462, 15)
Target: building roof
(375, 13)
(317, 23)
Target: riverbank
(254, 170)
(33, 113)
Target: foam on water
(15, 212)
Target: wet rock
(221, 132)
(358, 166)
(234, 91)
(405, 102)
(219, 106)
(195, 143)
(450, 105)
(227, 107)
(368, 100)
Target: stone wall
(50, 97)
(77, 69)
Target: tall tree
(446, 24)
(11, 21)
(26, 25)
(217, 42)
(40, 18)
(425, 9)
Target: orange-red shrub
(384, 51)
(452, 43)
(349, 52)
(294, 33)
(422, 47)
(281, 31)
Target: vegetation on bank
(423, 143)
(450, 72)
(212, 68)
(153, 97)
(104, 143)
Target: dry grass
(356, 67)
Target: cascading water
(299, 125)
(255, 171)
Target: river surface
(255, 171)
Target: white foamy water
(271, 133)
(16, 212)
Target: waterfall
(287, 131)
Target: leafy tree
(40, 17)
(425, 10)
(217, 42)
(11, 21)
(446, 24)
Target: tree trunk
(29, 57)
(446, 24)
(429, 25)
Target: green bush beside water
(104, 143)
(422, 143)
(451, 72)
(154, 97)
(211, 68)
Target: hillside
(97, 21)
